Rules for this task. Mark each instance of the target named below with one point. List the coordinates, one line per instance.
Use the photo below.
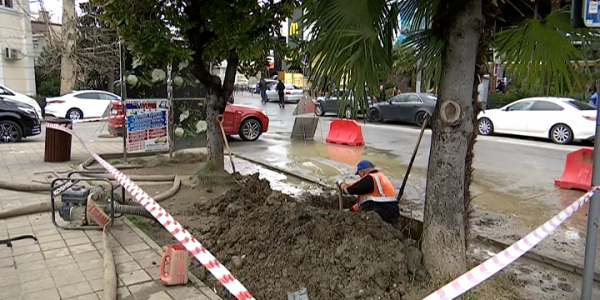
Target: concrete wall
(15, 33)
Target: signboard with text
(591, 17)
(147, 125)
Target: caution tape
(90, 120)
(496, 263)
(163, 217)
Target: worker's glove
(348, 210)
(342, 185)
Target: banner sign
(147, 125)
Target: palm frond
(428, 50)
(351, 42)
(540, 53)
(417, 13)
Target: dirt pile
(274, 244)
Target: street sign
(591, 17)
(295, 30)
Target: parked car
(18, 120)
(292, 93)
(80, 104)
(15, 96)
(561, 120)
(333, 102)
(270, 83)
(408, 107)
(246, 121)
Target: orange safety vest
(384, 191)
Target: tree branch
(233, 61)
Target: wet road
(513, 179)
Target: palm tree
(354, 38)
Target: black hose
(132, 210)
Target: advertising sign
(147, 126)
(591, 17)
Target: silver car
(292, 93)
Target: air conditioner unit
(12, 54)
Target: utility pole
(591, 239)
(68, 65)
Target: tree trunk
(111, 82)
(452, 125)
(214, 136)
(68, 38)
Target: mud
(277, 244)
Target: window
(7, 3)
(5, 92)
(412, 98)
(525, 105)
(546, 106)
(92, 96)
(580, 105)
(107, 97)
(399, 99)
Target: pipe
(24, 187)
(132, 210)
(110, 272)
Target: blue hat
(363, 164)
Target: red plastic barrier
(578, 170)
(345, 132)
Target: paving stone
(86, 256)
(73, 290)
(8, 271)
(127, 267)
(8, 280)
(51, 294)
(136, 247)
(160, 296)
(27, 249)
(66, 275)
(153, 271)
(92, 264)
(31, 266)
(4, 253)
(186, 293)
(135, 277)
(78, 241)
(27, 258)
(82, 248)
(209, 293)
(46, 232)
(144, 290)
(34, 275)
(92, 296)
(71, 234)
(7, 262)
(50, 238)
(58, 244)
(123, 258)
(56, 253)
(60, 261)
(94, 274)
(38, 285)
(97, 284)
(10, 291)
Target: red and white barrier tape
(90, 120)
(163, 217)
(496, 263)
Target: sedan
(9, 94)
(80, 104)
(17, 121)
(246, 121)
(561, 120)
(408, 107)
(334, 102)
(292, 93)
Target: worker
(375, 193)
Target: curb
(203, 288)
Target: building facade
(16, 46)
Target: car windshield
(580, 105)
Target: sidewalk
(68, 264)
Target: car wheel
(485, 126)
(374, 115)
(561, 134)
(74, 114)
(319, 110)
(10, 132)
(348, 112)
(250, 130)
(420, 118)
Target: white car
(80, 104)
(561, 120)
(7, 93)
(292, 93)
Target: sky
(53, 6)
